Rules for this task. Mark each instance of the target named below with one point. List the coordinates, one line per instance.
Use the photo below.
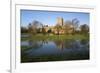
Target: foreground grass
(57, 57)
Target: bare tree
(24, 29)
(68, 27)
(34, 27)
(75, 23)
(84, 28)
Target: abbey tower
(60, 21)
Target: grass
(55, 37)
(59, 57)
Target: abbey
(60, 27)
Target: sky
(50, 17)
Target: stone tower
(60, 21)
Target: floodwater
(58, 50)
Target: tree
(68, 27)
(49, 31)
(39, 30)
(32, 29)
(43, 30)
(75, 23)
(24, 29)
(35, 27)
(84, 28)
(37, 24)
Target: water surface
(58, 50)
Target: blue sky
(49, 17)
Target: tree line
(69, 27)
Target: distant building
(60, 21)
(46, 28)
(62, 29)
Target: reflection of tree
(68, 44)
(65, 44)
(71, 44)
(35, 44)
(85, 43)
(76, 44)
(44, 42)
(60, 44)
(32, 44)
